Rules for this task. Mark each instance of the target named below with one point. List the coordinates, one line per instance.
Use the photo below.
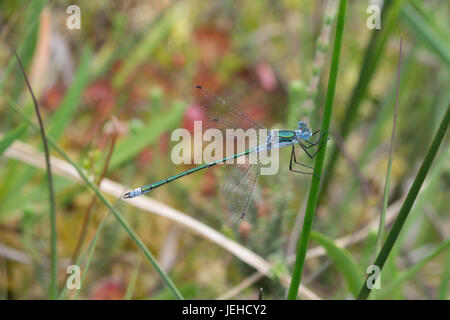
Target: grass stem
(409, 201)
(372, 56)
(391, 156)
(53, 241)
(318, 165)
(92, 186)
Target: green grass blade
(133, 280)
(59, 121)
(344, 261)
(89, 258)
(410, 198)
(408, 274)
(81, 257)
(429, 17)
(26, 49)
(432, 186)
(128, 45)
(11, 209)
(443, 287)
(372, 56)
(129, 148)
(366, 256)
(391, 156)
(143, 51)
(10, 137)
(12, 104)
(421, 27)
(72, 98)
(320, 157)
(375, 134)
(53, 231)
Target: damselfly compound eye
(301, 125)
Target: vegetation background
(111, 93)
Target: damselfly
(239, 184)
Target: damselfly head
(303, 131)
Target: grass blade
(89, 258)
(344, 261)
(318, 165)
(82, 256)
(154, 37)
(90, 207)
(443, 287)
(431, 187)
(133, 280)
(410, 198)
(437, 44)
(391, 155)
(26, 49)
(130, 147)
(53, 231)
(65, 112)
(302, 99)
(9, 138)
(12, 104)
(404, 276)
(373, 54)
(430, 18)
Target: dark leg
(297, 162)
(293, 159)
(305, 148)
(311, 144)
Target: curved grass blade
(130, 147)
(53, 241)
(344, 261)
(66, 110)
(427, 33)
(13, 105)
(90, 253)
(410, 198)
(133, 280)
(9, 138)
(89, 250)
(406, 275)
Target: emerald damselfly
(239, 184)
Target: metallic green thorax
(286, 135)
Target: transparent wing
(221, 114)
(241, 176)
(238, 188)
